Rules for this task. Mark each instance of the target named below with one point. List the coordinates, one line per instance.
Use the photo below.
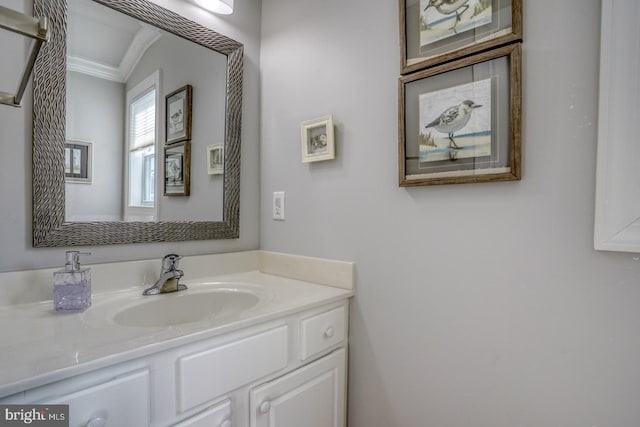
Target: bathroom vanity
(273, 354)
(257, 339)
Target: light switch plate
(278, 205)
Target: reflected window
(142, 140)
(142, 132)
(148, 178)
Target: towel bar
(27, 26)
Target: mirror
(111, 59)
(80, 197)
(617, 213)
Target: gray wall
(478, 304)
(16, 252)
(95, 112)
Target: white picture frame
(78, 161)
(215, 159)
(317, 139)
(617, 204)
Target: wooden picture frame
(178, 106)
(78, 161)
(317, 139)
(177, 169)
(460, 122)
(428, 38)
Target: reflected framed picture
(317, 139)
(177, 168)
(78, 159)
(215, 159)
(178, 115)
(460, 122)
(435, 31)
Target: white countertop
(39, 346)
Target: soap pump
(72, 285)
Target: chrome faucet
(169, 277)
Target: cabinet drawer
(217, 416)
(209, 374)
(321, 332)
(122, 401)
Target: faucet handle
(170, 262)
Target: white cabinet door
(124, 401)
(311, 396)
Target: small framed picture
(215, 159)
(78, 161)
(434, 31)
(460, 122)
(177, 165)
(317, 139)
(178, 115)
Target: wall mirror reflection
(122, 59)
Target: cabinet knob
(329, 332)
(265, 407)
(97, 422)
(226, 423)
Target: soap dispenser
(72, 285)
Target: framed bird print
(78, 161)
(460, 122)
(215, 159)
(437, 31)
(177, 169)
(178, 115)
(317, 138)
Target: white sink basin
(185, 307)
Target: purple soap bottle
(72, 285)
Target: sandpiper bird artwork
(441, 19)
(454, 119)
(447, 7)
(176, 119)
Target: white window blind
(143, 120)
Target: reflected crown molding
(143, 40)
